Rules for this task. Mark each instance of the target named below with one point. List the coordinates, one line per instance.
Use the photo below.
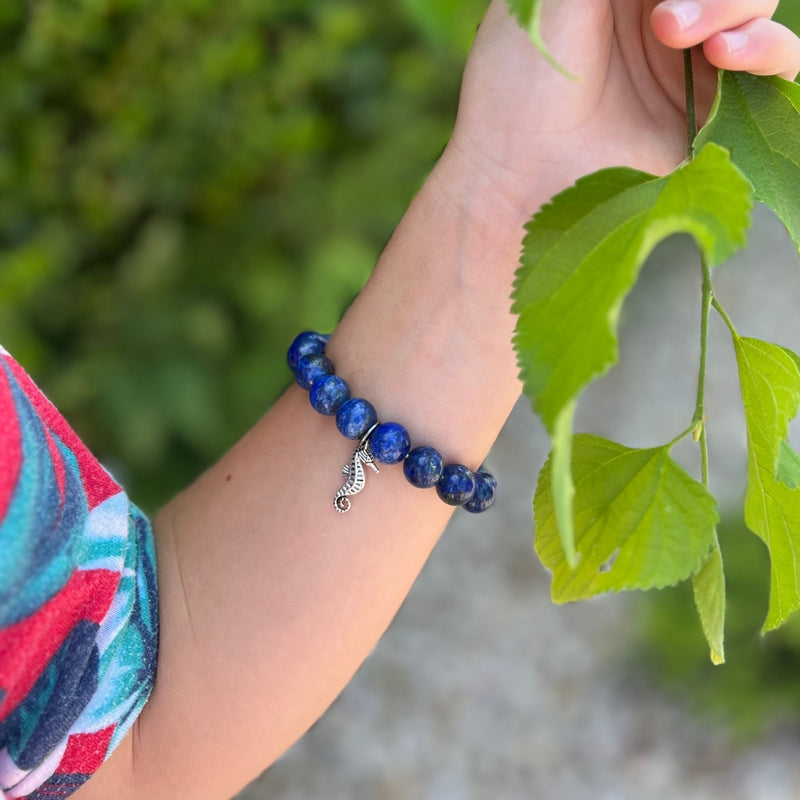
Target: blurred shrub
(788, 14)
(184, 185)
(758, 683)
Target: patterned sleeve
(78, 601)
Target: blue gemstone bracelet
(380, 442)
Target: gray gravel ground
(482, 688)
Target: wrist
(496, 200)
(428, 340)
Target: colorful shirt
(78, 601)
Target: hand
(532, 132)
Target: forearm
(270, 599)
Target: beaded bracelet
(382, 442)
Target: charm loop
(356, 474)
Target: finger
(762, 47)
(686, 23)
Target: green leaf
(788, 14)
(582, 255)
(448, 23)
(563, 487)
(708, 584)
(792, 355)
(770, 383)
(641, 521)
(529, 16)
(788, 467)
(758, 120)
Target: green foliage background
(185, 184)
(788, 13)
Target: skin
(270, 600)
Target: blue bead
(457, 484)
(312, 368)
(390, 443)
(307, 343)
(423, 467)
(355, 417)
(328, 393)
(485, 486)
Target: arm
(269, 599)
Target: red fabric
(87, 595)
(86, 751)
(97, 483)
(10, 445)
(58, 464)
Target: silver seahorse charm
(356, 475)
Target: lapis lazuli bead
(307, 343)
(311, 368)
(457, 484)
(328, 393)
(423, 467)
(485, 486)
(355, 417)
(390, 443)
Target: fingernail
(685, 12)
(735, 40)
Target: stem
(721, 311)
(691, 110)
(682, 435)
(699, 418)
